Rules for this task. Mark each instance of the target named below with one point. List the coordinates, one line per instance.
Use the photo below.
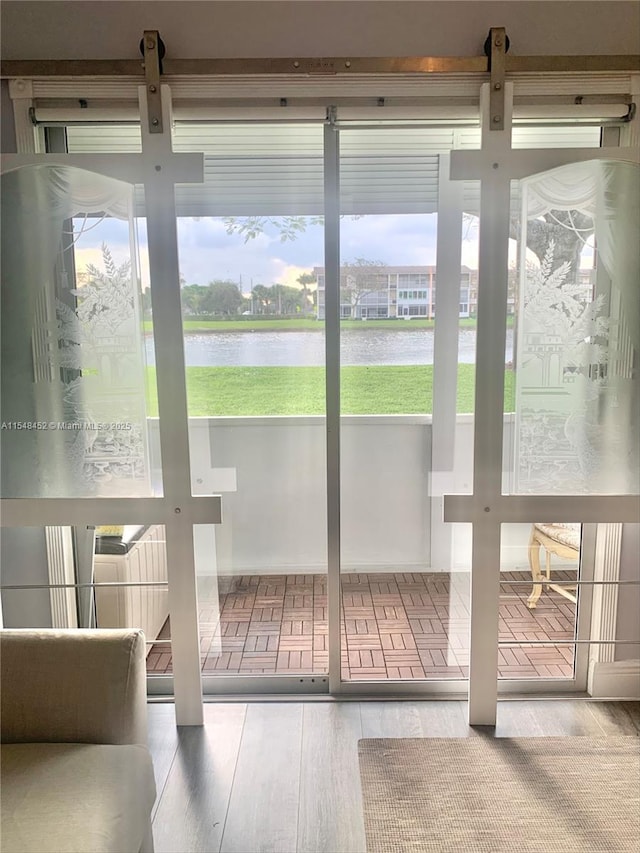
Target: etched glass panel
(74, 378)
(577, 388)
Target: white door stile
(630, 132)
(445, 358)
(29, 138)
(489, 408)
(172, 408)
(332, 368)
(584, 623)
(608, 543)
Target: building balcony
(405, 576)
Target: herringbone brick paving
(394, 626)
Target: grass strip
(307, 324)
(380, 390)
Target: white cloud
(85, 257)
(289, 273)
(470, 254)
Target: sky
(207, 252)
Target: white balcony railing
(271, 474)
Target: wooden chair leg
(534, 563)
(548, 563)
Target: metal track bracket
(152, 48)
(497, 62)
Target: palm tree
(263, 296)
(305, 279)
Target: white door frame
(159, 169)
(495, 165)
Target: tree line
(222, 298)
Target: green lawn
(270, 324)
(382, 390)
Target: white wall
(315, 28)
(271, 474)
(628, 624)
(23, 562)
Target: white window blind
(277, 169)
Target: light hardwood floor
(283, 776)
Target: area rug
(488, 795)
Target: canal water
(306, 349)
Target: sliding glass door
(403, 359)
(78, 449)
(577, 403)
(250, 240)
(403, 281)
(576, 410)
(76, 397)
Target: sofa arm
(73, 686)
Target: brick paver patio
(395, 626)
